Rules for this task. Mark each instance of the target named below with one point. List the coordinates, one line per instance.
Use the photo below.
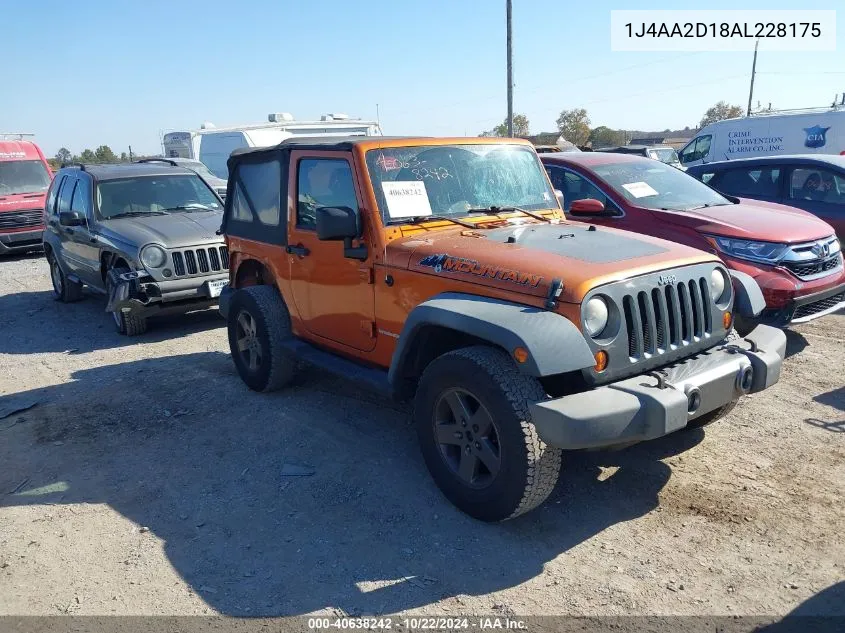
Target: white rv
(813, 131)
(213, 145)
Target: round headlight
(717, 284)
(595, 316)
(153, 256)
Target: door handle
(299, 250)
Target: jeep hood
(174, 230)
(753, 220)
(526, 258)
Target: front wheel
(126, 323)
(713, 416)
(258, 325)
(475, 431)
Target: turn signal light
(727, 319)
(601, 360)
(520, 354)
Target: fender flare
(555, 345)
(748, 301)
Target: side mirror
(341, 223)
(71, 218)
(559, 195)
(337, 223)
(587, 206)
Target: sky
(82, 74)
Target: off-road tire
(64, 289)
(266, 307)
(713, 416)
(127, 323)
(529, 468)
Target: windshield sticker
(446, 263)
(639, 189)
(406, 198)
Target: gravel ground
(149, 480)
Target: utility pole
(130, 154)
(753, 71)
(510, 70)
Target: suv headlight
(766, 252)
(595, 316)
(153, 256)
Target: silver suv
(145, 235)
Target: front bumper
(806, 308)
(649, 406)
(138, 293)
(20, 241)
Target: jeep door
(334, 295)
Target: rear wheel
(64, 289)
(126, 323)
(258, 325)
(476, 435)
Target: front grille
(676, 315)
(21, 219)
(807, 269)
(818, 306)
(203, 260)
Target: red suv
(795, 257)
(24, 179)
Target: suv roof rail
(20, 135)
(79, 166)
(158, 160)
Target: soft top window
(257, 206)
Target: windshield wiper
(497, 210)
(425, 218)
(129, 214)
(194, 206)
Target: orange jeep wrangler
(443, 271)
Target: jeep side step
(371, 379)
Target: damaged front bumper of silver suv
(652, 405)
(137, 292)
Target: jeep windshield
(457, 180)
(23, 176)
(654, 185)
(154, 195)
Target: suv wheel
(64, 289)
(258, 325)
(126, 323)
(476, 435)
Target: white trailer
(212, 145)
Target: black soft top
(325, 143)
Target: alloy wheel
(249, 347)
(467, 438)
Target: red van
(24, 179)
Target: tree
(574, 125)
(720, 111)
(63, 156)
(520, 127)
(123, 157)
(87, 156)
(105, 155)
(603, 136)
